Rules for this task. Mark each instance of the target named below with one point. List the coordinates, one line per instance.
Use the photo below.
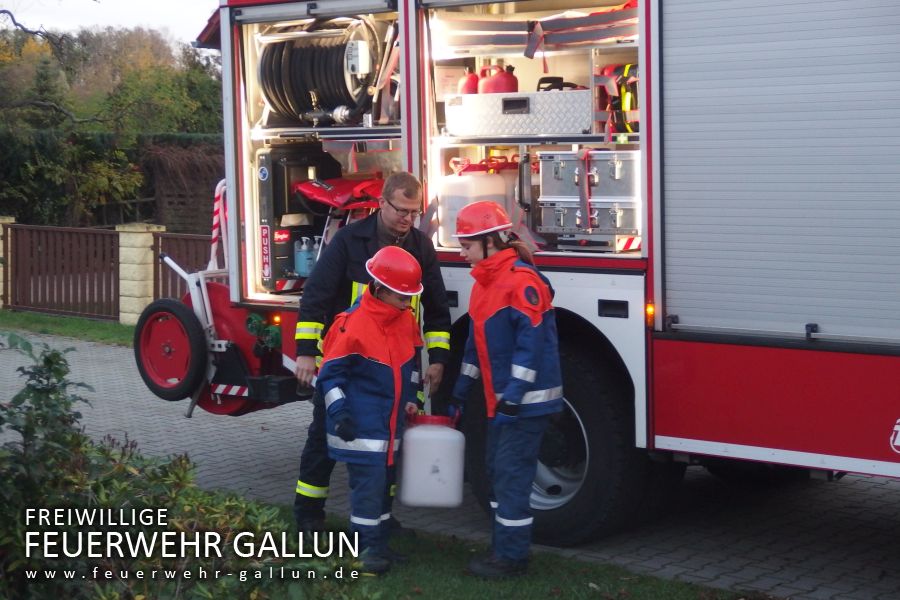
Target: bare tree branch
(57, 42)
(56, 107)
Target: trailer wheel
(170, 349)
(590, 477)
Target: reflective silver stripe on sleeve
(364, 521)
(361, 444)
(312, 331)
(537, 396)
(333, 396)
(524, 373)
(414, 377)
(494, 505)
(514, 522)
(469, 370)
(385, 517)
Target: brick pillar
(4, 260)
(135, 269)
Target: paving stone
(803, 540)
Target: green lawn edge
(91, 330)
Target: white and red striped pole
(219, 228)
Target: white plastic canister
(471, 182)
(431, 472)
(509, 171)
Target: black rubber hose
(287, 86)
(265, 80)
(309, 82)
(298, 86)
(290, 71)
(336, 83)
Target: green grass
(105, 332)
(437, 569)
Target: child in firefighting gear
(369, 379)
(333, 286)
(513, 348)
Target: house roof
(210, 37)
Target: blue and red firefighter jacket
(512, 342)
(369, 367)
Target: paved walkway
(808, 540)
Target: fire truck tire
(170, 349)
(590, 476)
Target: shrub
(51, 463)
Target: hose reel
(323, 72)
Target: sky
(182, 20)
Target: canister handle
(584, 188)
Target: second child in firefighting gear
(336, 282)
(369, 379)
(513, 348)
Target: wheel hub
(562, 463)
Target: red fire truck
(712, 187)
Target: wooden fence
(62, 270)
(191, 252)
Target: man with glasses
(337, 280)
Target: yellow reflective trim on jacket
(437, 339)
(416, 304)
(311, 491)
(627, 99)
(357, 289)
(308, 330)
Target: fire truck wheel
(170, 349)
(590, 477)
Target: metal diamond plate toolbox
(521, 113)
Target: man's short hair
(403, 181)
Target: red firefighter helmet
(480, 218)
(396, 269)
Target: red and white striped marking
(218, 230)
(282, 285)
(623, 244)
(231, 390)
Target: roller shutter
(781, 165)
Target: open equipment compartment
(317, 105)
(557, 97)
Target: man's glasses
(404, 212)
